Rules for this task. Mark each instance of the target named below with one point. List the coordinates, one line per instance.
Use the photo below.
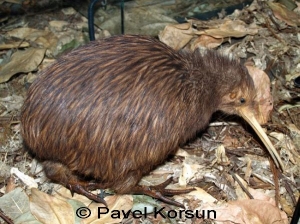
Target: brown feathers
(116, 108)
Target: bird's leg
(61, 174)
(159, 192)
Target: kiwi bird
(106, 114)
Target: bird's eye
(242, 100)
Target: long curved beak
(249, 117)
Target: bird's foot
(159, 192)
(83, 190)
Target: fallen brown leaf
(206, 41)
(49, 209)
(26, 33)
(247, 211)
(114, 202)
(14, 44)
(117, 205)
(263, 94)
(177, 35)
(229, 28)
(22, 61)
(282, 13)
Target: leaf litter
(226, 164)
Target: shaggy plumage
(114, 109)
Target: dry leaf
(117, 205)
(41, 37)
(114, 202)
(206, 41)
(247, 211)
(258, 211)
(26, 33)
(221, 157)
(187, 173)
(176, 35)
(22, 61)
(282, 13)
(65, 194)
(10, 45)
(229, 28)
(263, 94)
(262, 210)
(15, 204)
(27, 180)
(202, 195)
(49, 209)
